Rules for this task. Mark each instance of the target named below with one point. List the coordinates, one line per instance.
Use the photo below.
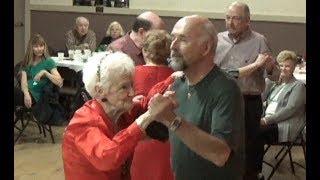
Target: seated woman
(101, 136)
(285, 104)
(113, 32)
(37, 71)
(151, 159)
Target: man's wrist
(175, 124)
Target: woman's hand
(39, 75)
(27, 100)
(137, 98)
(177, 74)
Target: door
(19, 30)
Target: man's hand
(262, 60)
(270, 63)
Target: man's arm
(249, 69)
(204, 144)
(70, 39)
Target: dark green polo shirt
(36, 88)
(216, 106)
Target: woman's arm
(25, 90)
(53, 76)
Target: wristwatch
(175, 123)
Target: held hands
(161, 106)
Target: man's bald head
(200, 27)
(156, 21)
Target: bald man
(131, 43)
(81, 37)
(203, 110)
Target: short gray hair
(104, 71)
(210, 33)
(242, 5)
(81, 18)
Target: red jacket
(91, 147)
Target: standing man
(81, 37)
(131, 43)
(207, 127)
(245, 54)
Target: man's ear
(141, 32)
(208, 47)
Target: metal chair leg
(21, 131)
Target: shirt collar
(242, 36)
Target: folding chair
(25, 116)
(71, 85)
(299, 140)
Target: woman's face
(121, 93)
(287, 68)
(115, 32)
(38, 50)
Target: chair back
(17, 74)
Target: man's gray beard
(177, 63)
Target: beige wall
(283, 31)
(274, 10)
(281, 35)
(294, 8)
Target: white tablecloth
(300, 73)
(301, 77)
(72, 64)
(77, 65)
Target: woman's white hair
(104, 71)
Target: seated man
(81, 37)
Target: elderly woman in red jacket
(102, 135)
